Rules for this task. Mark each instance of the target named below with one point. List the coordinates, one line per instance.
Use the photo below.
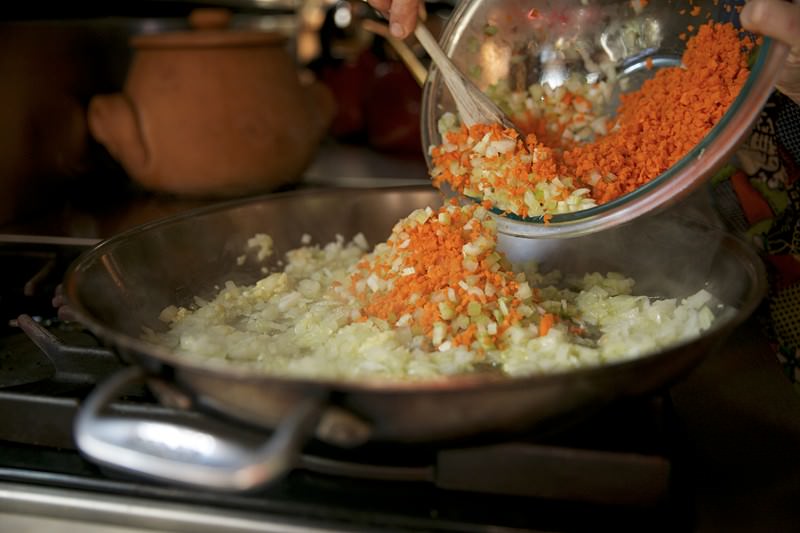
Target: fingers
(403, 17)
(778, 19)
(381, 5)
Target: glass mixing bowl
(506, 40)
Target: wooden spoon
(473, 106)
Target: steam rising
(671, 253)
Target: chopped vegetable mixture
(436, 299)
(574, 157)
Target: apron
(758, 195)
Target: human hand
(780, 20)
(402, 15)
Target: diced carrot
(654, 127)
(546, 322)
(432, 264)
(753, 204)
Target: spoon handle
(474, 107)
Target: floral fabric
(759, 196)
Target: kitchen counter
(36, 524)
(743, 416)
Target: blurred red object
(393, 110)
(349, 82)
(378, 102)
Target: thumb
(780, 20)
(789, 81)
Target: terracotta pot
(212, 111)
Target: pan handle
(181, 453)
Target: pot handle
(181, 453)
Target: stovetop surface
(467, 486)
(733, 455)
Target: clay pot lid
(210, 28)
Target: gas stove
(615, 469)
(715, 452)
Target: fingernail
(744, 17)
(397, 30)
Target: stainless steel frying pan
(120, 287)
